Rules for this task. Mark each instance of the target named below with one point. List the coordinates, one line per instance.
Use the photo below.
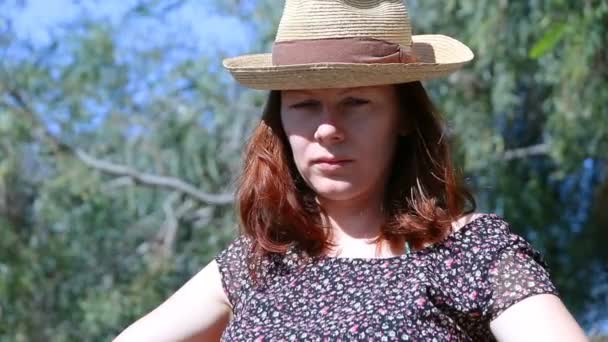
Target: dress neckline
(455, 235)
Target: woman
(354, 224)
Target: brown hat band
(340, 50)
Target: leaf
(548, 41)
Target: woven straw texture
(437, 55)
(317, 19)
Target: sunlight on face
(342, 140)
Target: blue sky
(195, 23)
(195, 20)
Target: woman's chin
(335, 190)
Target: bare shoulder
(202, 298)
(466, 219)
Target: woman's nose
(328, 131)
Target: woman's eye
(356, 102)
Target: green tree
(117, 166)
(119, 151)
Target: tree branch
(168, 231)
(170, 183)
(516, 153)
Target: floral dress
(449, 291)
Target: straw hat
(347, 43)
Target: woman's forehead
(329, 92)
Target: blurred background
(121, 138)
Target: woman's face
(343, 140)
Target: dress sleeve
(517, 271)
(232, 264)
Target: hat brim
(437, 56)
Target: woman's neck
(353, 219)
(354, 224)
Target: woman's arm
(541, 317)
(198, 311)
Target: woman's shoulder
(485, 267)
(482, 238)
(237, 247)
(489, 228)
(232, 260)
(232, 263)
(466, 219)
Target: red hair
(424, 195)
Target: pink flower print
(354, 328)
(420, 301)
(473, 295)
(475, 249)
(449, 263)
(324, 310)
(382, 311)
(256, 329)
(389, 274)
(260, 339)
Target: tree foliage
(119, 150)
(532, 124)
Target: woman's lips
(331, 165)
